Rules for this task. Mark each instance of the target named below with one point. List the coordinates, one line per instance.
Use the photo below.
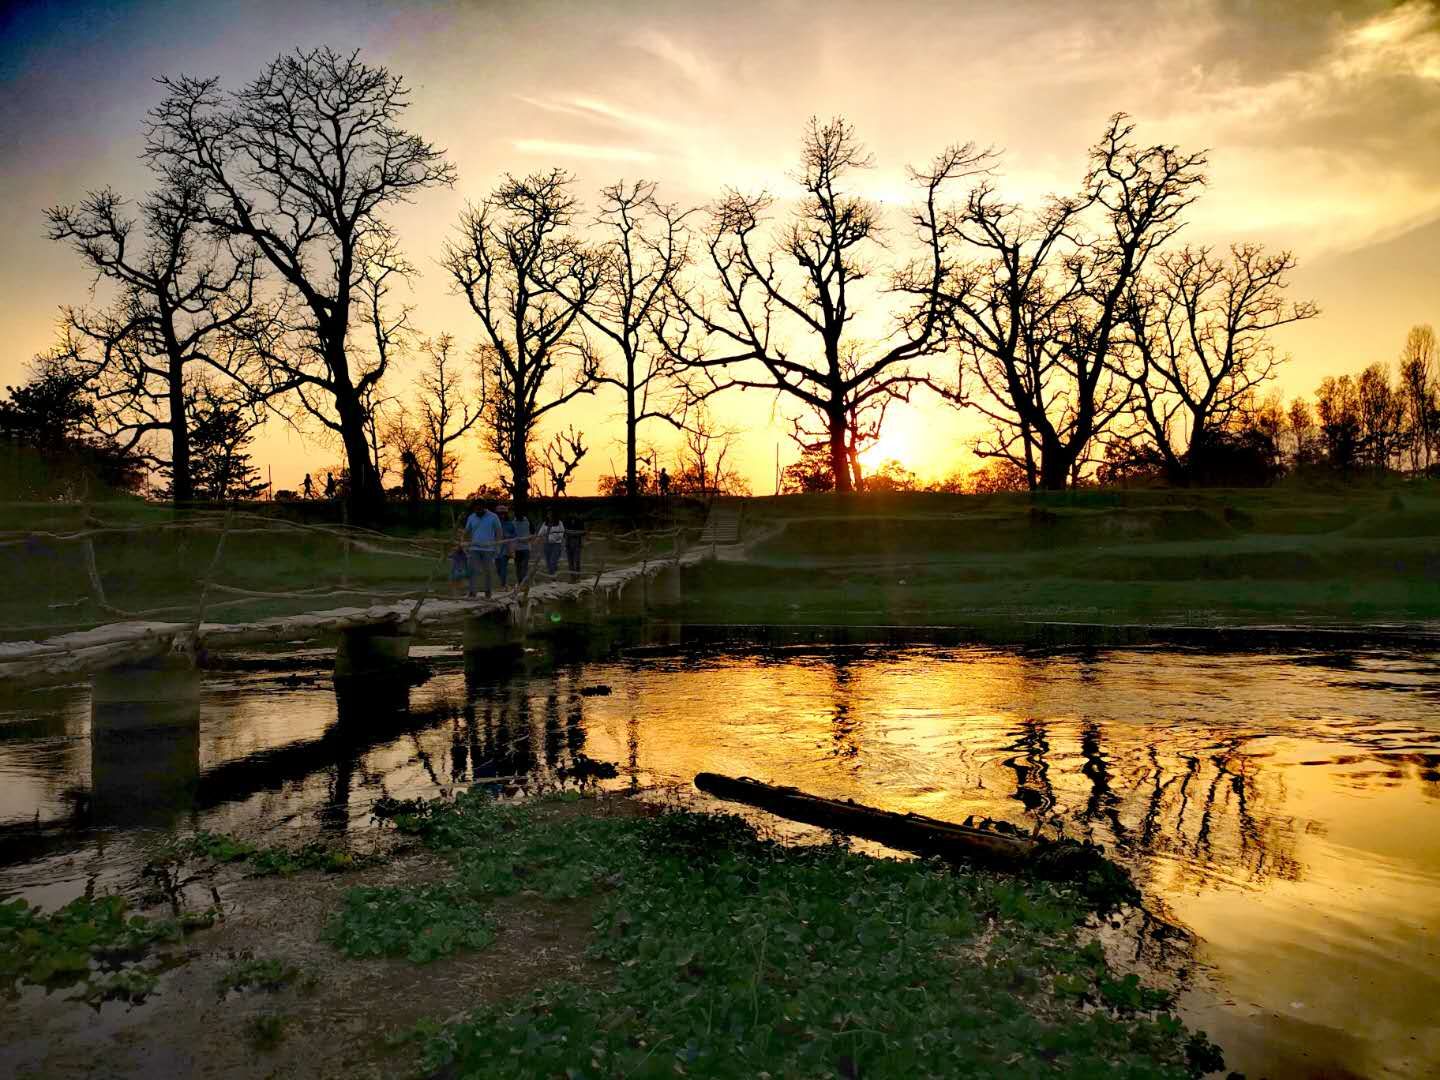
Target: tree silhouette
(703, 466)
(441, 412)
(48, 438)
(527, 277)
(561, 457)
(809, 280)
(1381, 414)
(1039, 318)
(303, 162)
(1420, 396)
(1198, 347)
(183, 297)
(222, 426)
(641, 257)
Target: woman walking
(552, 536)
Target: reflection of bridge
(152, 776)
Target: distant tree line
(259, 280)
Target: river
(1282, 808)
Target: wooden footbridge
(139, 660)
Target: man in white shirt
(483, 534)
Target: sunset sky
(1323, 122)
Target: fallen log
(908, 832)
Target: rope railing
(614, 548)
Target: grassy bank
(651, 944)
(1343, 555)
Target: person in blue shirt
(483, 533)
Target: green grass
(1203, 557)
(1286, 554)
(728, 956)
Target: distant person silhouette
(507, 537)
(308, 487)
(329, 485)
(664, 483)
(574, 540)
(410, 478)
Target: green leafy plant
(732, 956)
(422, 923)
(73, 943)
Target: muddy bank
(605, 930)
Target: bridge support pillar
(492, 641)
(371, 650)
(667, 590)
(634, 597)
(144, 741)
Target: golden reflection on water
(1289, 814)
(1284, 808)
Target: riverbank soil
(1290, 556)
(596, 937)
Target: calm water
(1285, 809)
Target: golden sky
(1323, 122)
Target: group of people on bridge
(492, 536)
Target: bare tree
(1303, 432)
(182, 298)
(561, 457)
(1381, 414)
(640, 260)
(1418, 391)
(303, 162)
(808, 281)
(1040, 316)
(527, 277)
(1337, 414)
(441, 411)
(446, 413)
(863, 423)
(704, 467)
(1199, 347)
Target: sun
(896, 442)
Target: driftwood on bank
(908, 832)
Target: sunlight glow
(895, 442)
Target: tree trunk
(1030, 474)
(909, 832)
(839, 455)
(182, 487)
(1054, 467)
(365, 498)
(632, 485)
(519, 475)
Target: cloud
(553, 148)
(597, 111)
(696, 69)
